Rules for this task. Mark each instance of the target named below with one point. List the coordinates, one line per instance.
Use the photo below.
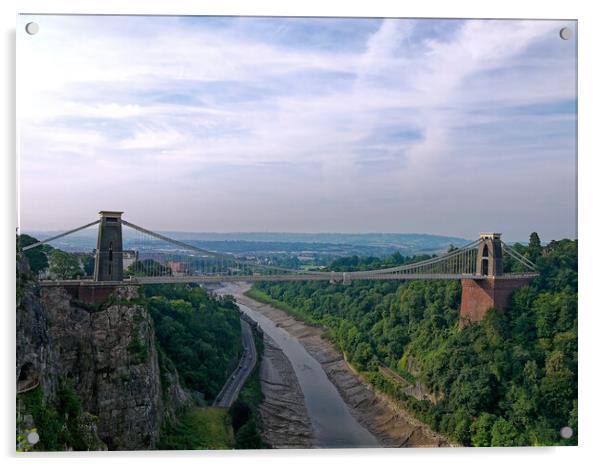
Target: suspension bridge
(153, 258)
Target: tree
(459, 426)
(64, 266)
(481, 430)
(555, 312)
(200, 335)
(534, 249)
(504, 434)
(362, 354)
(147, 267)
(88, 263)
(472, 389)
(240, 413)
(558, 387)
(36, 257)
(247, 437)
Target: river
(333, 424)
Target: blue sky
(298, 124)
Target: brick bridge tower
(108, 266)
(493, 290)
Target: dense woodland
(200, 334)
(509, 380)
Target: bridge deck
(184, 263)
(336, 276)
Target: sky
(230, 124)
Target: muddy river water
(333, 424)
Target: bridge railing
(151, 256)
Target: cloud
(153, 138)
(303, 117)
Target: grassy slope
(200, 429)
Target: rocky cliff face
(32, 338)
(109, 354)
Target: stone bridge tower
(493, 290)
(108, 266)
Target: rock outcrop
(107, 352)
(32, 337)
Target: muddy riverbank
(333, 425)
(284, 422)
(386, 421)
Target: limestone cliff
(32, 338)
(107, 352)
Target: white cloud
(150, 138)
(170, 104)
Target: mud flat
(284, 422)
(391, 425)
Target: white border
(590, 310)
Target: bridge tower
(493, 290)
(108, 266)
(489, 256)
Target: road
(237, 379)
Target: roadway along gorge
(247, 362)
(321, 402)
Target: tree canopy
(37, 257)
(199, 334)
(508, 380)
(64, 265)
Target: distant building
(179, 268)
(129, 257)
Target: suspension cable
(52, 238)
(519, 257)
(434, 260)
(205, 251)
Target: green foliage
(509, 380)
(504, 434)
(263, 297)
(59, 422)
(247, 436)
(64, 266)
(88, 264)
(244, 410)
(481, 430)
(240, 414)
(203, 428)
(251, 393)
(138, 350)
(37, 257)
(534, 249)
(346, 264)
(198, 429)
(47, 420)
(368, 319)
(147, 267)
(199, 334)
(23, 444)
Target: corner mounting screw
(32, 28)
(566, 33)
